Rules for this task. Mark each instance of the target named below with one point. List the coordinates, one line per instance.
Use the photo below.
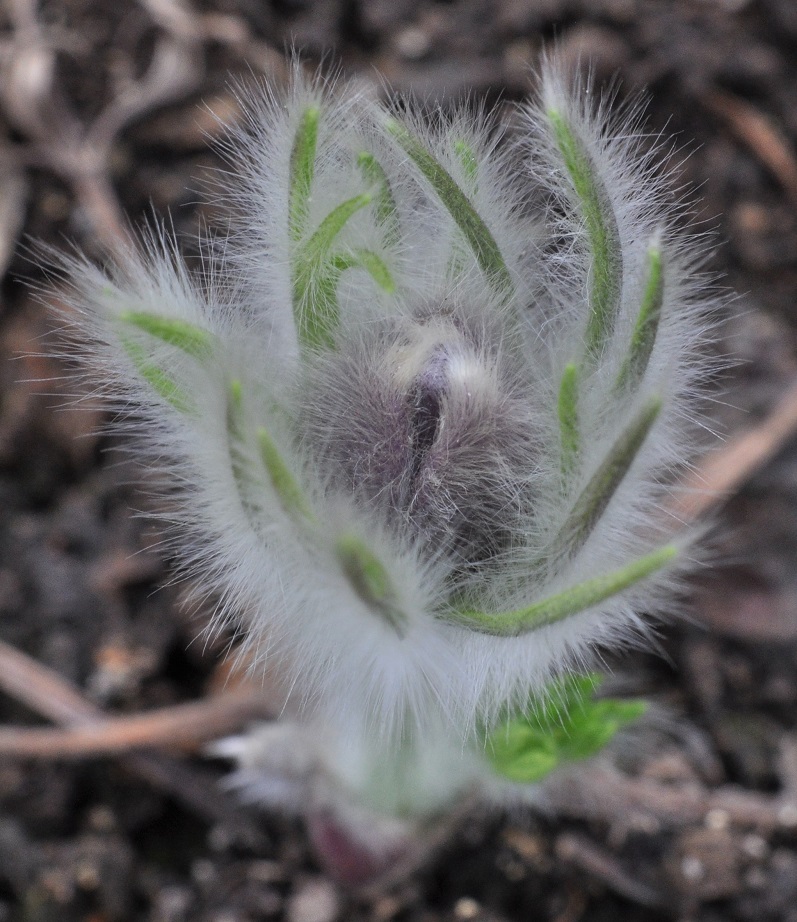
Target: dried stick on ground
(181, 727)
(722, 472)
(606, 795)
(51, 696)
(759, 133)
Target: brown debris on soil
(106, 114)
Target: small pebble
(466, 908)
(717, 819)
(412, 43)
(692, 868)
(787, 815)
(316, 901)
(755, 846)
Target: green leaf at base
(568, 725)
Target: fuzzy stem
(602, 234)
(465, 216)
(564, 604)
(647, 323)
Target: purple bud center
(427, 398)
(421, 421)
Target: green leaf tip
(602, 234)
(367, 260)
(282, 480)
(370, 580)
(569, 602)
(314, 297)
(385, 207)
(467, 158)
(236, 394)
(188, 337)
(567, 409)
(475, 231)
(181, 334)
(321, 241)
(596, 496)
(159, 380)
(567, 725)
(302, 171)
(646, 327)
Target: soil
(84, 584)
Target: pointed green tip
(236, 393)
(158, 379)
(467, 158)
(285, 485)
(569, 602)
(181, 334)
(370, 579)
(470, 223)
(302, 170)
(604, 483)
(643, 338)
(603, 237)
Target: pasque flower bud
(421, 411)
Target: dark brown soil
(91, 840)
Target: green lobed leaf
(643, 337)
(567, 603)
(602, 234)
(476, 233)
(568, 725)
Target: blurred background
(108, 113)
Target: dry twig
(601, 793)
(181, 727)
(56, 140)
(584, 854)
(53, 697)
(756, 131)
(724, 471)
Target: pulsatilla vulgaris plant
(420, 411)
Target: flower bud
(421, 414)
